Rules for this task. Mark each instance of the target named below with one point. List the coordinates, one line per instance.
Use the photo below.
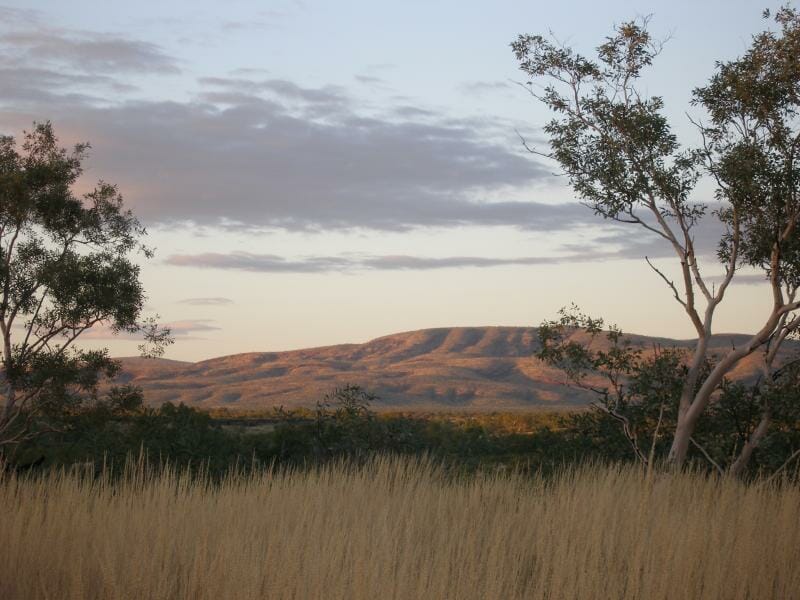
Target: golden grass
(398, 530)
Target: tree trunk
(9, 394)
(688, 416)
(686, 422)
(741, 462)
(680, 441)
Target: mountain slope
(481, 368)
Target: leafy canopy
(66, 265)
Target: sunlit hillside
(454, 368)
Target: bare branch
(667, 281)
(706, 455)
(630, 435)
(786, 463)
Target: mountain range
(454, 368)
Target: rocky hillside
(476, 368)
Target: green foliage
(614, 144)
(618, 151)
(637, 396)
(752, 149)
(66, 265)
(740, 408)
(636, 392)
(106, 434)
(342, 427)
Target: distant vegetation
(344, 426)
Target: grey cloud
(483, 87)
(256, 25)
(616, 243)
(416, 263)
(413, 112)
(741, 278)
(45, 66)
(189, 327)
(250, 71)
(215, 301)
(256, 152)
(265, 263)
(369, 80)
(270, 263)
(39, 85)
(633, 241)
(281, 88)
(19, 16)
(88, 51)
(185, 329)
(253, 163)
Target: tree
(637, 392)
(343, 422)
(620, 155)
(66, 265)
(634, 390)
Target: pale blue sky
(329, 172)
(426, 49)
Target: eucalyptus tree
(620, 155)
(66, 265)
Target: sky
(314, 173)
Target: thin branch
(626, 429)
(652, 455)
(786, 463)
(668, 281)
(708, 458)
(531, 149)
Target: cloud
(184, 329)
(264, 263)
(216, 301)
(251, 151)
(413, 112)
(44, 66)
(369, 80)
(189, 327)
(483, 87)
(89, 52)
(19, 16)
(44, 86)
(742, 279)
(28, 39)
(316, 101)
(254, 163)
(270, 263)
(256, 152)
(239, 26)
(615, 242)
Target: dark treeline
(344, 426)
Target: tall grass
(397, 529)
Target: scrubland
(397, 529)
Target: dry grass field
(398, 530)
